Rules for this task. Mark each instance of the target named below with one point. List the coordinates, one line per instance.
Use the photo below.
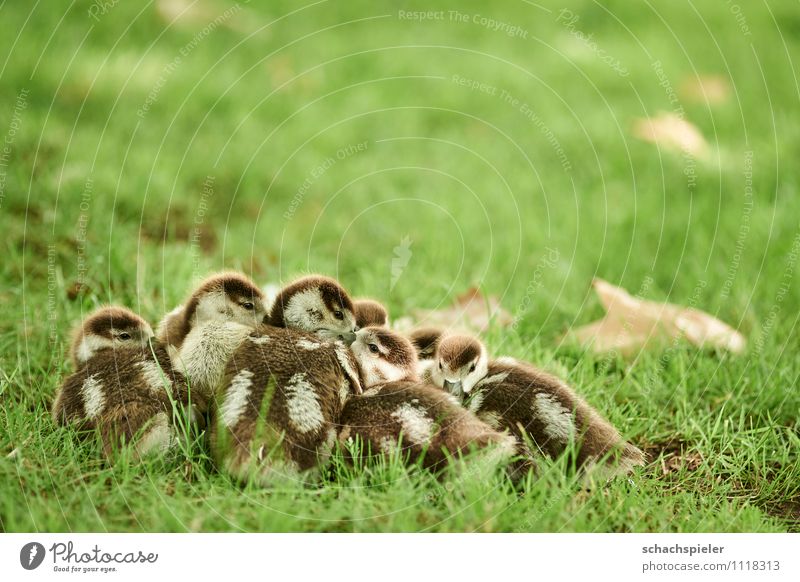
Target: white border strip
(405, 557)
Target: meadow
(411, 151)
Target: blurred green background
(147, 144)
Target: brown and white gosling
(369, 312)
(398, 413)
(283, 388)
(123, 384)
(225, 308)
(425, 341)
(316, 304)
(278, 405)
(204, 332)
(226, 296)
(532, 405)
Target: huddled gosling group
(279, 387)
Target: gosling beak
(348, 337)
(454, 388)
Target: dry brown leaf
(711, 89)
(631, 324)
(671, 131)
(472, 311)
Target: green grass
(99, 204)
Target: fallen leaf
(472, 311)
(671, 131)
(711, 89)
(631, 324)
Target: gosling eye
(338, 315)
(124, 335)
(248, 305)
(373, 348)
(472, 368)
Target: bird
(123, 385)
(228, 296)
(425, 341)
(108, 327)
(278, 405)
(400, 414)
(369, 312)
(315, 303)
(537, 408)
(214, 320)
(172, 326)
(283, 388)
(225, 308)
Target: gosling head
(460, 362)
(369, 312)
(426, 341)
(384, 356)
(221, 298)
(109, 328)
(318, 305)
